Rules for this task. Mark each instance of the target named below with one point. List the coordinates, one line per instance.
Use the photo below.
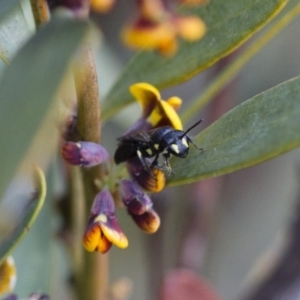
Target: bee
(165, 141)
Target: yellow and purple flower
(103, 229)
(139, 206)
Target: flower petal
(175, 102)
(95, 240)
(113, 232)
(103, 204)
(165, 115)
(147, 96)
(190, 28)
(135, 200)
(149, 221)
(7, 275)
(154, 182)
(91, 237)
(150, 36)
(85, 154)
(104, 244)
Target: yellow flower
(102, 6)
(150, 35)
(103, 229)
(157, 28)
(156, 111)
(7, 275)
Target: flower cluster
(103, 229)
(157, 27)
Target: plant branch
(93, 279)
(40, 11)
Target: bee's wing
(129, 144)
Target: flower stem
(92, 283)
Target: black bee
(147, 144)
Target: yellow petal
(149, 37)
(147, 96)
(7, 275)
(149, 221)
(102, 6)
(114, 234)
(175, 102)
(190, 28)
(91, 237)
(104, 244)
(164, 115)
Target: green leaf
(14, 32)
(253, 132)
(229, 24)
(29, 84)
(27, 219)
(6, 6)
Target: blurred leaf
(29, 216)
(14, 31)
(255, 131)
(6, 6)
(29, 84)
(229, 24)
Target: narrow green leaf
(29, 216)
(14, 32)
(229, 24)
(29, 84)
(253, 132)
(6, 6)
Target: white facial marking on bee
(184, 142)
(149, 151)
(156, 146)
(139, 153)
(175, 148)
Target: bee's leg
(144, 163)
(192, 141)
(155, 161)
(166, 156)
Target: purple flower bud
(135, 200)
(148, 222)
(84, 154)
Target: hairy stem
(40, 11)
(93, 277)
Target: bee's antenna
(189, 129)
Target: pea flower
(103, 229)
(139, 206)
(156, 112)
(157, 28)
(84, 154)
